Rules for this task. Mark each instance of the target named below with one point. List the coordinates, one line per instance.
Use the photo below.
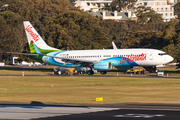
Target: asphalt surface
(109, 74)
(90, 112)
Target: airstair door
(151, 56)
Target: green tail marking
(32, 49)
(43, 51)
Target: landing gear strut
(150, 68)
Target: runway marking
(32, 112)
(139, 115)
(163, 109)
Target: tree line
(66, 27)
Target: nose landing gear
(103, 72)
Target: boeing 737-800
(101, 60)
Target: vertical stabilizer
(35, 39)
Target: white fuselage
(121, 57)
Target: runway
(65, 112)
(109, 74)
(120, 76)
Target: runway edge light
(99, 99)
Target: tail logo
(33, 35)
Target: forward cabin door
(151, 55)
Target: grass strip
(58, 89)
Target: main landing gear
(103, 72)
(90, 72)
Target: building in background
(14, 61)
(164, 7)
(92, 4)
(116, 16)
(159, 6)
(4, 7)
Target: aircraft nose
(170, 58)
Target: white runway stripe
(139, 115)
(30, 112)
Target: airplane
(100, 60)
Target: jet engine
(105, 65)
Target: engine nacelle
(103, 65)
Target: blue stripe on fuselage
(52, 61)
(116, 61)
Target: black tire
(90, 72)
(103, 72)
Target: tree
(144, 39)
(40, 11)
(177, 9)
(149, 16)
(122, 4)
(72, 1)
(169, 33)
(75, 30)
(2, 2)
(12, 37)
(115, 31)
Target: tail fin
(36, 43)
(114, 46)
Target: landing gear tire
(59, 72)
(103, 72)
(90, 72)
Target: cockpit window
(162, 54)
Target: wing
(83, 63)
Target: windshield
(161, 54)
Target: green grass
(171, 71)
(58, 89)
(26, 72)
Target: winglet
(114, 46)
